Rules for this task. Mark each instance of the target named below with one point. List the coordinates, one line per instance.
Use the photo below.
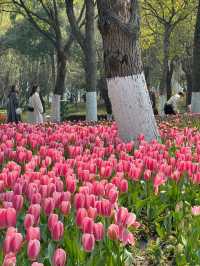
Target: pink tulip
(10, 260)
(113, 195)
(88, 242)
(33, 233)
(33, 249)
(11, 217)
(113, 232)
(52, 220)
(92, 212)
(36, 198)
(106, 208)
(65, 207)
(80, 215)
(87, 225)
(59, 257)
(71, 184)
(98, 229)
(2, 218)
(18, 202)
(57, 231)
(79, 200)
(37, 264)
(35, 210)
(196, 210)
(123, 186)
(48, 206)
(28, 220)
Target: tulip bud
(11, 217)
(87, 225)
(113, 232)
(33, 233)
(88, 242)
(33, 249)
(52, 220)
(28, 220)
(65, 207)
(57, 231)
(59, 257)
(98, 231)
(48, 206)
(81, 213)
(18, 202)
(10, 260)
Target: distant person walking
(13, 109)
(152, 96)
(35, 108)
(170, 107)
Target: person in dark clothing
(13, 105)
(153, 100)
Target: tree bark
(170, 71)
(166, 48)
(196, 66)
(90, 62)
(187, 68)
(60, 85)
(119, 27)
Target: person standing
(152, 96)
(13, 109)
(170, 107)
(35, 108)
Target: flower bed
(70, 195)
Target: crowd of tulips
(75, 194)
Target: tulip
(2, 218)
(16, 242)
(92, 212)
(33, 233)
(65, 207)
(37, 264)
(88, 242)
(70, 184)
(10, 260)
(52, 220)
(35, 210)
(113, 232)
(36, 198)
(59, 257)
(33, 249)
(79, 200)
(11, 217)
(57, 231)
(196, 210)
(18, 202)
(87, 225)
(28, 220)
(81, 213)
(113, 195)
(123, 186)
(98, 231)
(48, 206)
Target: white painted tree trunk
(91, 106)
(162, 101)
(195, 102)
(55, 108)
(132, 107)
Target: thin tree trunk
(169, 79)
(196, 67)
(124, 71)
(90, 63)
(59, 86)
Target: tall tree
(45, 17)
(196, 66)
(87, 43)
(168, 14)
(119, 25)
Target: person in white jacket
(35, 108)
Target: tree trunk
(123, 68)
(196, 67)
(90, 63)
(59, 86)
(170, 71)
(165, 71)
